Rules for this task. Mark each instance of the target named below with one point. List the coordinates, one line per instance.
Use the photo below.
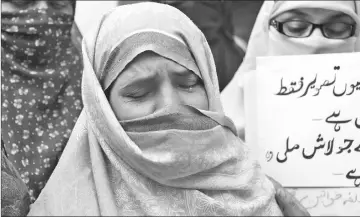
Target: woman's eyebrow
(292, 13)
(341, 15)
(183, 73)
(137, 81)
(297, 12)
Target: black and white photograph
(180, 108)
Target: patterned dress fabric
(40, 93)
(15, 199)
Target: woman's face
(63, 6)
(151, 82)
(316, 16)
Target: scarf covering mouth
(170, 118)
(171, 166)
(41, 92)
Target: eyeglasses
(303, 29)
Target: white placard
(303, 113)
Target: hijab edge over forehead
(89, 42)
(139, 42)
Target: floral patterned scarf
(41, 95)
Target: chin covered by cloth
(265, 40)
(171, 159)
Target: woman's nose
(169, 97)
(317, 32)
(319, 42)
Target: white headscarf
(265, 41)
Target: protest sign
(303, 116)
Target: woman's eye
(296, 26)
(190, 84)
(137, 94)
(187, 86)
(338, 27)
(338, 30)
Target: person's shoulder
(15, 199)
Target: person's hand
(288, 204)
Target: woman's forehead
(150, 62)
(318, 9)
(315, 14)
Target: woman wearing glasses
(294, 28)
(313, 30)
(299, 28)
